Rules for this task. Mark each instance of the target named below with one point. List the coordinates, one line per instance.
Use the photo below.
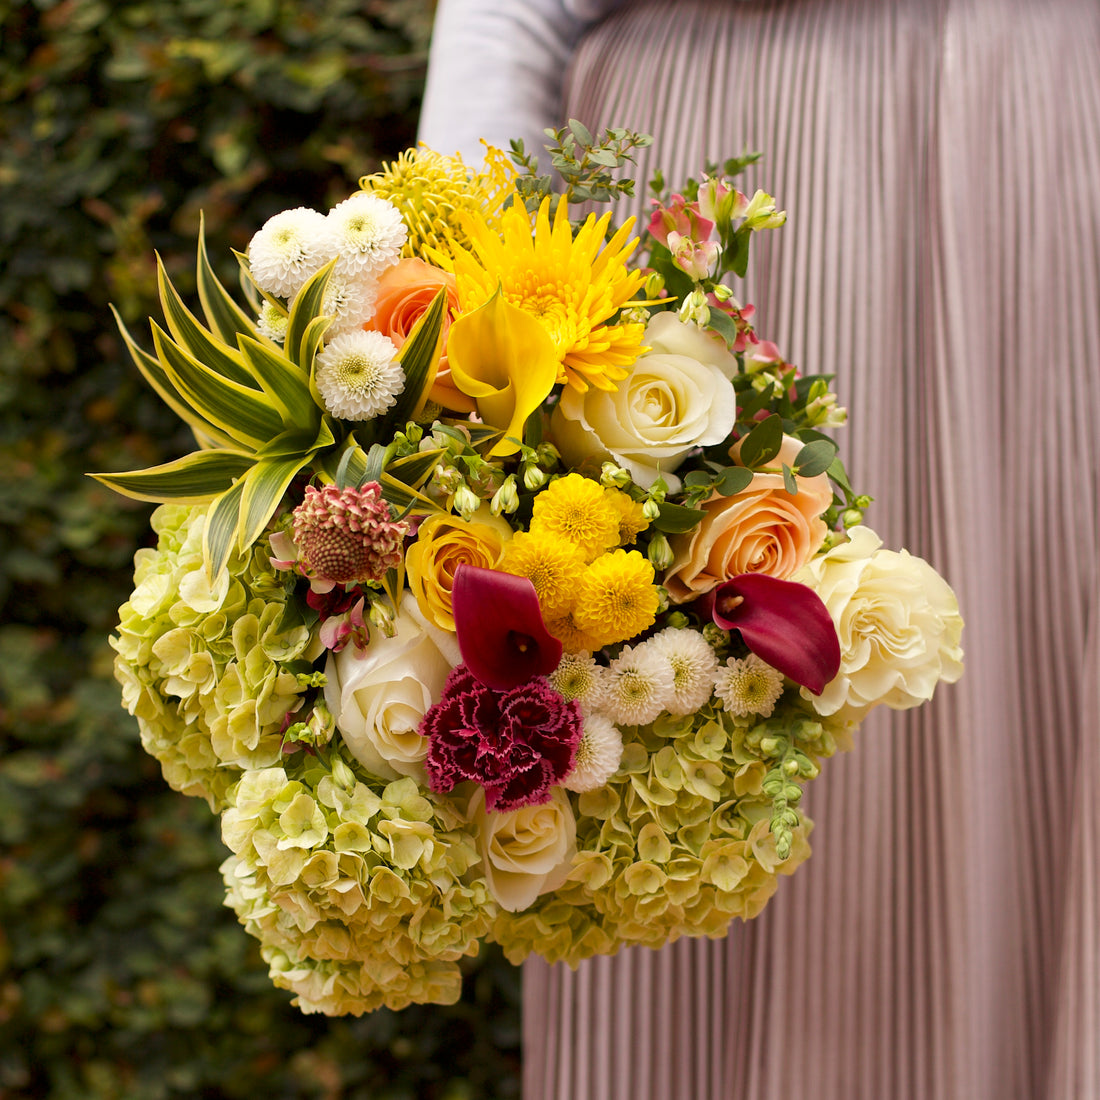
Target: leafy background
(121, 973)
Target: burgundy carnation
(516, 744)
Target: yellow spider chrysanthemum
(616, 598)
(577, 509)
(552, 565)
(573, 285)
(434, 193)
(632, 517)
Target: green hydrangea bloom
(362, 893)
(692, 831)
(202, 668)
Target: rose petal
(500, 630)
(783, 623)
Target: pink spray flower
(679, 217)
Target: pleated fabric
(940, 162)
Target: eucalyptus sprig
(585, 165)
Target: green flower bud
(851, 517)
(660, 554)
(466, 502)
(506, 498)
(534, 478)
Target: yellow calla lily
(505, 360)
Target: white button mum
(598, 755)
(748, 686)
(579, 678)
(288, 249)
(638, 685)
(693, 664)
(370, 233)
(359, 376)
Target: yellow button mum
(616, 598)
(551, 564)
(577, 509)
(574, 286)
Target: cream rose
(379, 695)
(526, 852)
(762, 529)
(898, 622)
(677, 396)
(443, 543)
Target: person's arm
(496, 68)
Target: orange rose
(762, 529)
(404, 292)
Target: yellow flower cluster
(434, 193)
(592, 592)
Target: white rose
(526, 852)
(676, 397)
(379, 695)
(898, 622)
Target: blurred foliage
(121, 974)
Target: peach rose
(762, 529)
(404, 292)
(443, 543)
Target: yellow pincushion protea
(434, 193)
(574, 285)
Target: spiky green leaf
(158, 379)
(220, 532)
(416, 468)
(191, 335)
(419, 359)
(402, 497)
(264, 486)
(225, 317)
(238, 411)
(195, 478)
(306, 309)
(284, 384)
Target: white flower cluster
(675, 672)
(358, 375)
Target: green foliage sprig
(585, 165)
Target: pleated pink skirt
(940, 162)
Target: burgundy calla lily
(783, 623)
(501, 634)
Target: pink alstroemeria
(693, 257)
(503, 639)
(783, 623)
(679, 217)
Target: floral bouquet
(514, 591)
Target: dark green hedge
(121, 974)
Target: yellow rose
(443, 543)
(762, 529)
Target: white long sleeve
(496, 68)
